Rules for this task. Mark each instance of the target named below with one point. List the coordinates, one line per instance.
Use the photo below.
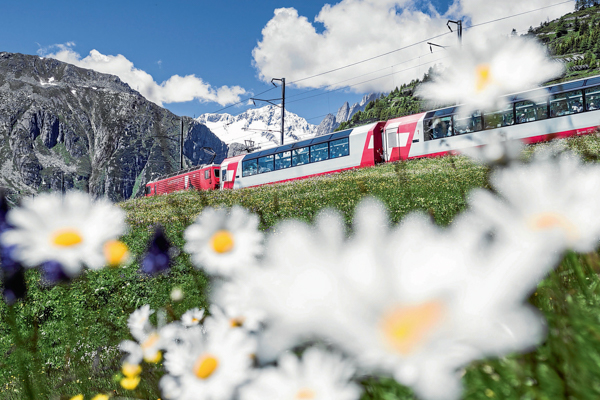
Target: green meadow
(62, 340)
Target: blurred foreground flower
(70, 230)
(318, 376)
(497, 151)
(405, 302)
(12, 273)
(480, 72)
(223, 242)
(159, 256)
(547, 194)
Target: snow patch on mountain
(262, 125)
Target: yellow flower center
(78, 397)
(131, 370)
(150, 341)
(205, 365)
(483, 77)
(237, 322)
(305, 394)
(66, 237)
(130, 383)
(100, 397)
(115, 252)
(151, 357)
(550, 220)
(404, 328)
(222, 241)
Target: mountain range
(65, 127)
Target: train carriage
(348, 149)
(203, 177)
(557, 111)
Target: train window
(216, 172)
(300, 156)
(283, 160)
(498, 119)
(148, 190)
(592, 98)
(467, 124)
(438, 127)
(319, 152)
(566, 103)
(265, 164)
(207, 174)
(528, 110)
(249, 168)
(339, 148)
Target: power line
(516, 15)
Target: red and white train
(561, 110)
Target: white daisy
(318, 376)
(546, 194)
(407, 303)
(71, 230)
(232, 299)
(481, 71)
(192, 317)
(211, 367)
(497, 150)
(223, 243)
(150, 341)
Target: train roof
(183, 171)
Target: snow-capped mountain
(262, 125)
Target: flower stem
(20, 346)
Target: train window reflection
(498, 119)
(467, 124)
(566, 103)
(283, 160)
(339, 148)
(438, 127)
(249, 168)
(592, 98)
(300, 156)
(265, 164)
(531, 110)
(319, 152)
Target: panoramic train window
(498, 119)
(566, 103)
(339, 148)
(249, 168)
(528, 110)
(300, 156)
(467, 124)
(319, 152)
(283, 160)
(265, 164)
(592, 98)
(439, 127)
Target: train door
(389, 138)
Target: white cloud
(176, 89)
(356, 30)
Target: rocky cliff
(66, 127)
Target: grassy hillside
(71, 331)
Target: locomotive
(557, 111)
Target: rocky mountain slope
(66, 127)
(345, 112)
(262, 125)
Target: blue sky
(214, 42)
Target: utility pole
(282, 103)
(181, 147)
(459, 29)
